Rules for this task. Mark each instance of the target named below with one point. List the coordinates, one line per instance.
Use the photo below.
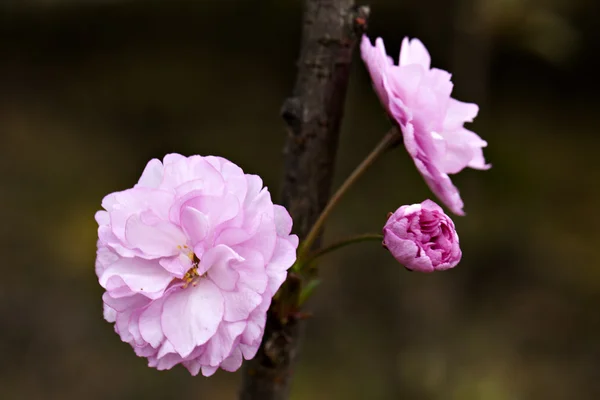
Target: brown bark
(313, 115)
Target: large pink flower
(422, 238)
(190, 258)
(418, 98)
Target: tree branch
(313, 116)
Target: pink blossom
(418, 98)
(190, 258)
(422, 238)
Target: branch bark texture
(313, 116)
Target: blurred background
(91, 90)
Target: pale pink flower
(422, 238)
(418, 98)
(190, 258)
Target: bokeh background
(91, 90)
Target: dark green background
(90, 91)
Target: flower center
(191, 275)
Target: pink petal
(149, 323)
(428, 205)
(233, 362)
(259, 208)
(110, 314)
(249, 350)
(410, 142)
(438, 81)
(184, 170)
(406, 252)
(217, 209)
(478, 161)
(152, 175)
(457, 157)
(217, 262)
(251, 270)
(177, 265)
(283, 220)
(191, 316)
(172, 158)
(255, 185)
(160, 240)
(233, 236)
(104, 258)
(117, 288)
(264, 238)
(144, 351)
(240, 303)
(441, 185)
(463, 150)
(195, 224)
(377, 63)
(168, 361)
(193, 366)
(284, 256)
(414, 52)
(221, 344)
(208, 370)
(276, 279)
(255, 329)
(141, 276)
(122, 205)
(102, 217)
(234, 177)
(458, 113)
(403, 83)
(134, 328)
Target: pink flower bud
(422, 238)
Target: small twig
(388, 141)
(344, 242)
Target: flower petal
(284, 256)
(216, 262)
(234, 177)
(221, 344)
(141, 276)
(414, 52)
(283, 220)
(240, 303)
(233, 362)
(208, 370)
(191, 316)
(407, 253)
(195, 224)
(249, 350)
(149, 323)
(160, 240)
(177, 265)
(252, 269)
(458, 113)
(152, 175)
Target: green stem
(342, 243)
(388, 141)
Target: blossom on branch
(422, 238)
(417, 98)
(190, 258)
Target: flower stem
(342, 243)
(389, 140)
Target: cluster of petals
(190, 258)
(417, 97)
(422, 238)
